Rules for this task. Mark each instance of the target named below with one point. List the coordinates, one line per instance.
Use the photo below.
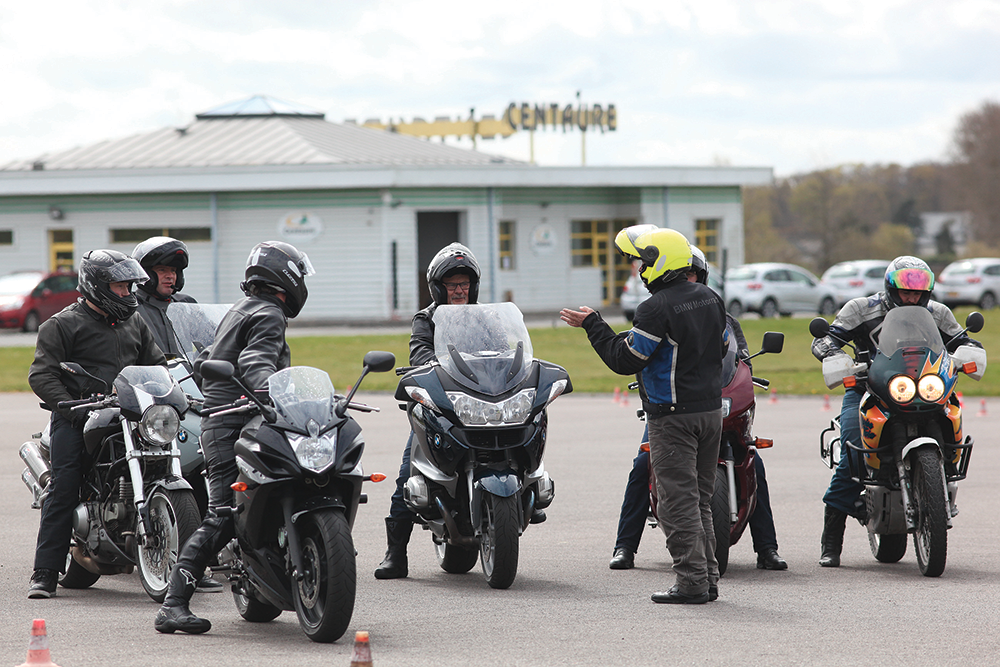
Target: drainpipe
(491, 239)
(666, 216)
(214, 208)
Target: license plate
(953, 294)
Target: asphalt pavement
(565, 606)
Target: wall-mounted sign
(525, 116)
(300, 227)
(543, 239)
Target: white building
(369, 207)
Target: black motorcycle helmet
(282, 267)
(161, 251)
(908, 273)
(452, 260)
(100, 268)
(699, 265)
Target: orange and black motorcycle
(912, 443)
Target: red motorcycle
(735, 496)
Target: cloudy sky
(795, 85)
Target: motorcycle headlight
(931, 388)
(474, 412)
(902, 389)
(314, 452)
(160, 424)
(727, 405)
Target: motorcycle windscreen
(483, 347)
(194, 325)
(909, 327)
(731, 361)
(300, 395)
(138, 387)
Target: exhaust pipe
(38, 465)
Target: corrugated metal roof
(255, 140)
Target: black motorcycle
(479, 421)
(135, 508)
(296, 498)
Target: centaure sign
(526, 116)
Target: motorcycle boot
(174, 614)
(834, 522)
(394, 565)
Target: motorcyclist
(453, 279)
(908, 281)
(635, 504)
(164, 260)
(676, 346)
(99, 333)
(252, 338)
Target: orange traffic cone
(774, 397)
(618, 396)
(826, 402)
(38, 646)
(624, 399)
(362, 656)
(982, 408)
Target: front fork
(133, 455)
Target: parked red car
(28, 298)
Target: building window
(706, 237)
(137, 235)
(590, 243)
(506, 245)
(6, 237)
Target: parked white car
(634, 292)
(849, 280)
(970, 281)
(773, 289)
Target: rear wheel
(988, 301)
(769, 309)
(173, 517)
(499, 543)
(735, 309)
(455, 559)
(931, 538)
(720, 518)
(31, 322)
(252, 609)
(887, 548)
(324, 598)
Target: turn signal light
(239, 487)
(763, 443)
(644, 447)
(850, 381)
(969, 367)
(376, 477)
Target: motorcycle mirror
(819, 327)
(974, 322)
(774, 342)
(74, 368)
(217, 370)
(379, 362)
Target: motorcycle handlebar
(760, 382)
(92, 402)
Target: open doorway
(435, 230)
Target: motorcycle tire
(174, 517)
(720, 519)
(77, 576)
(498, 550)
(455, 559)
(252, 609)
(930, 540)
(887, 548)
(324, 597)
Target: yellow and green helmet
(664, 252)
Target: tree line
(862, 211)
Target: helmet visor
(127, 270)
(911, 279)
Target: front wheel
(324, 598)
(988, 301)
(930, 541)
(455, 559)
(173, 518)
(735, 309)
(498, 548)
(827, 307)
(720, 518)
(887, 548)
(769, 309)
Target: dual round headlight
(902, 389)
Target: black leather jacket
(154, 310)
(252, 338)
(80, 334)
(422, 337)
